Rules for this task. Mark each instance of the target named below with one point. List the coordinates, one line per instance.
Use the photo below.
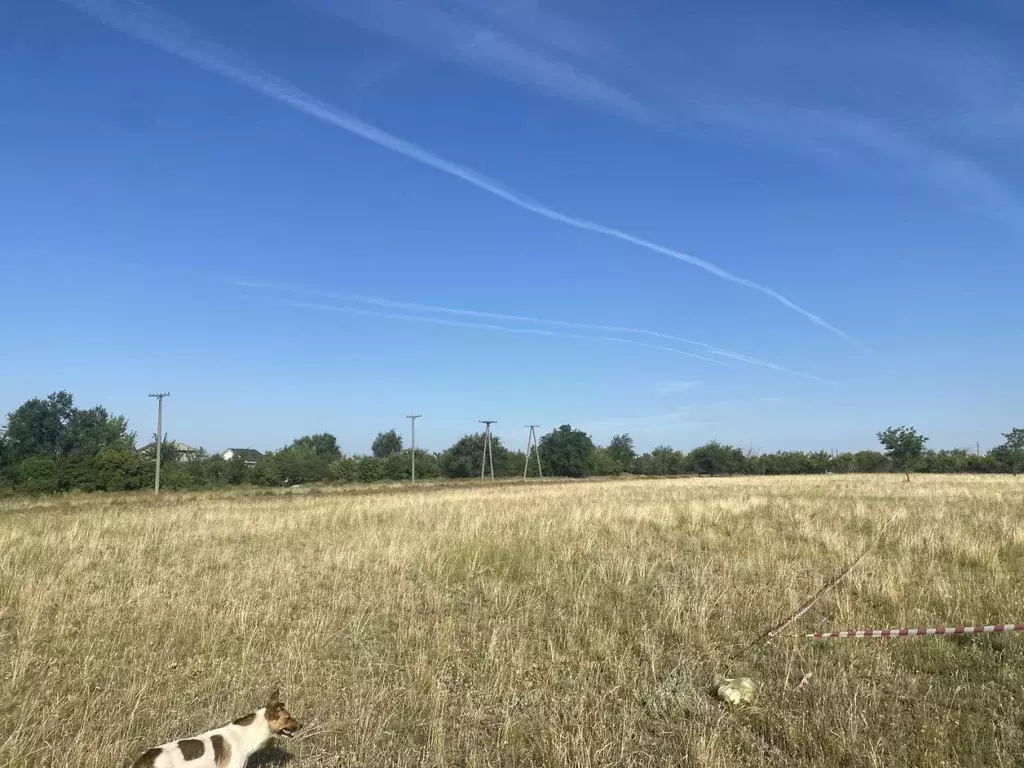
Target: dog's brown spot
(148, 758)
(221, 750)
(246, 719)
(191, 749)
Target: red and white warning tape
(919, 631)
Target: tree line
(49, 445)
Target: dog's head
(279, 720)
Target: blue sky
(782, 226)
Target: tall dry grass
(517, 625)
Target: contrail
(520, 318)
(502, 328)
(172, 35)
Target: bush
(602, 462)
(122, 469)
(303, 464)
(369, 470)
(427, 465)
(268, 471)
(38, 474)
(396, 467)
(345, 470)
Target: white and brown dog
(228, 746)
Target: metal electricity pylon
(488, 450)
(532, 440)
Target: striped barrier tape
(918, 631)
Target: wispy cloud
(524, 45)
(956, 87)
(932, 104)
(854, 139)
(800, 85)
(675, 387)
(171, 35)
(543, 27)
(670, 421)
(382, 302)
(659, 422)
(498, 328)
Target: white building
(182, 451)
(249, 455)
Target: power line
(532, 440)
(412, 418)
(159, 434)
(488, 450)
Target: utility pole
(532, 440)
(159, 433)
(413, 418)
(488, 450)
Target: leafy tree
(93, 429)
(323, 444)
(37, 427)
(387, 444)
(663, 461)
(1011, 452)
(5, 458)
(566, 452)
(52, 428)
(904, 447)
(465, 457)
(621, 450)
(714, 458)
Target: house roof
(178, 446)
(248, 454)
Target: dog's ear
(274, 698)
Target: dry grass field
(561, 624)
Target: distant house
(181, 451)
(249, 455)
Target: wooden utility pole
(532, 440)
(488, 450)
(159, 434)
(413, 418)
